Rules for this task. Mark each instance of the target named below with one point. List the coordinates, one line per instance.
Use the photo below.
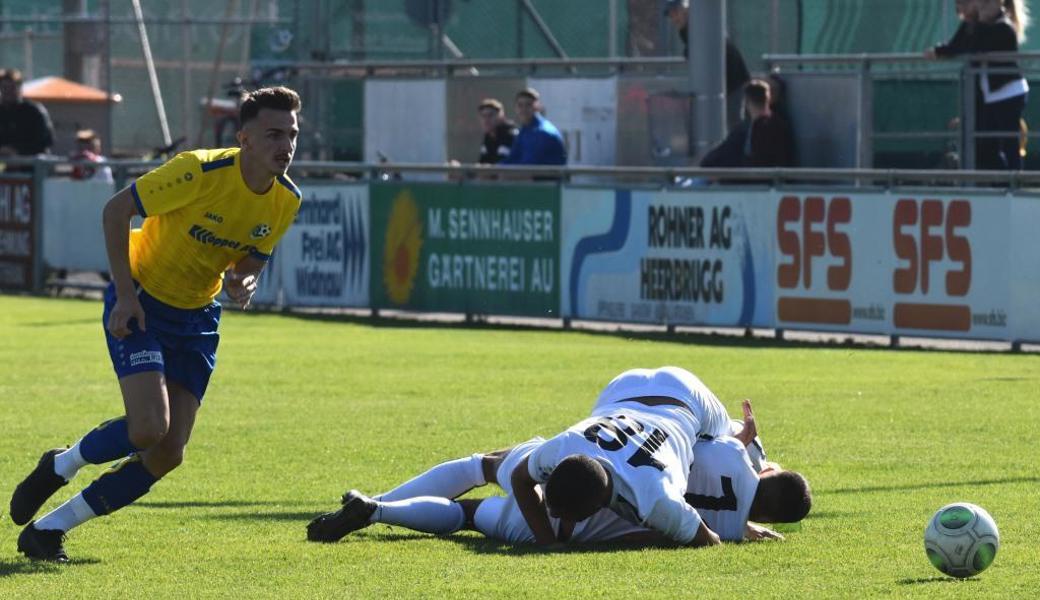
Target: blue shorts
(181, 343)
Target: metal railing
(125, 170)
(964, 68)
(474, 66)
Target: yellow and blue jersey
(199, 219)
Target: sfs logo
(809, 229)
(924, 232)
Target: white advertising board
(585, 112)
(1024, 268)
(924, 264)
(323, 258)
(684, 258)
(72, 235)
(406, 121)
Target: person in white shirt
(661, 412)
(724, 486)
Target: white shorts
(707, 416)
(499, 517)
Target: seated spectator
(25, 126)
(88, 148)
(538, 142)
(761, 140)
(499, 132)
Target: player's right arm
(680, 522)
(115, 220)
(531, 504)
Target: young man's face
(10, 91)
(678, 15)
(988, 10)
(270, 139)
(526, 106)
(488, 119)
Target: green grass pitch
(301, 409)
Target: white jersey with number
(648, 452)
(705, 416)
(722, 486)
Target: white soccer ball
(961, 539)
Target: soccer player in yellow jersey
(211, 220)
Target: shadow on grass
(302, 516)
(478, 544)
(925, 486)
(63, 323)
(725, 340)
(219, 503)
(936, 579)
(832, 514)
(24, 566)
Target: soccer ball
(961, 539)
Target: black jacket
(998, 36)
(26, 127)
(737, 73)
(496, 145)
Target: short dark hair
(528, 92)
(756, 92)
(491, 103)
(576, 485)
(783, 497)
(11, 75)
(275, 98)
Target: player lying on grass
(669, 383)
(211, 219)
(724, 487)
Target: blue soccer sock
(107, 442)
(119, 486)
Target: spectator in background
(25, 126)
(88, 149)
(1002, 92)
(499, 132)
(761, 140)
(538, 142)
(968, 15)
(678, 12)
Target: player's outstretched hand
(240, 288)
(756, 533)
(747, 435)
(126, 308)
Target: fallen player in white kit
(723, 485)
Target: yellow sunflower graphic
(401, 253)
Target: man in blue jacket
(539, 141)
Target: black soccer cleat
(331, 527)
(34, 490)
(42, 544)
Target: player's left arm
(241, 279)
(756, 533)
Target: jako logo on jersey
(214, 217)
(205, 236)
(261, 231)
(146, 356)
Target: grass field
(301, 409)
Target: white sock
(447, 480)
(69, 462)
(427, 514)
(74, 512)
